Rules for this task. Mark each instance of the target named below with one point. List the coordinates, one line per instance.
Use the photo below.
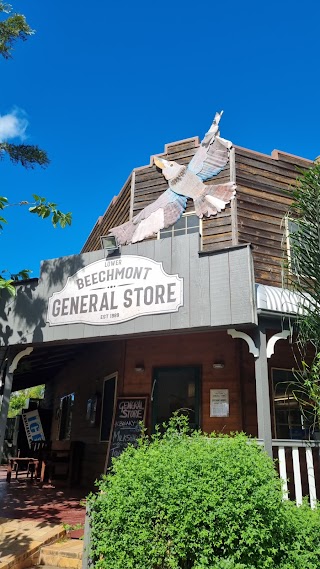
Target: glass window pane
(179, 232)
(192, 221)
(181, 223)
(66, 405)
(193, 230)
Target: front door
(176, 389)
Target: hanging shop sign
(33, 426)
(111, 291)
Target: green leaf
(6, 284)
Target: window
(66, 407)
(188, 223)
(290, 419)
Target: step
(21, 540)
(44, 567)
(65, 554)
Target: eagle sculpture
(184, 182)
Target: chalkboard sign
(129, 413)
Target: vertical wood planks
(311, 478)
(241, 287)
(199, 288)
(283, 471)
(220, 302)
(143, 323)
(162, 253)
(297, 475)
(181, 266)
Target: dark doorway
(176, 388)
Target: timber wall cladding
(194, 350)
(261, 205)
(85, 377)
(146, 184)
(117, 213)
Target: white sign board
(33, 426)
(219, 402)
(115, 290)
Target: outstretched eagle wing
(162, 213)
(212, 154)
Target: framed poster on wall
(129, 413)
(219, 402)
(108, 405)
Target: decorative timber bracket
(252, 347)
(17, 358)
(273, 340)
(237, 334)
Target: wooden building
(196, 318)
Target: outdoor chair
(39, 452)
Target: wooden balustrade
(299, 468)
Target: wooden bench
(14, 463)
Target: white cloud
(13, 125)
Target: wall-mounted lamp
(139, 368)
(110, 245)
(218, 365)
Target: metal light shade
(109, 243)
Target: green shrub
(189, 501)
(303, 543)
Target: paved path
(21, 538)
(22, 500)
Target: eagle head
(170, 169)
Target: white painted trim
(283, 472)
(14, 364)
(273, 340)
(311, 478)
(295, 443)
(185, 214)
(237, 334)
(297, 475)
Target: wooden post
(5, 407)
(10, 369)
(86, 562)
(262, 390)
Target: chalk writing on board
(129, 413)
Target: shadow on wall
(28, 308)
(30, 313)
(56, 271)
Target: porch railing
(299, 468)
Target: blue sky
(104, 85)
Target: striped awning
(274, 299)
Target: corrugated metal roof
(274, 299)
